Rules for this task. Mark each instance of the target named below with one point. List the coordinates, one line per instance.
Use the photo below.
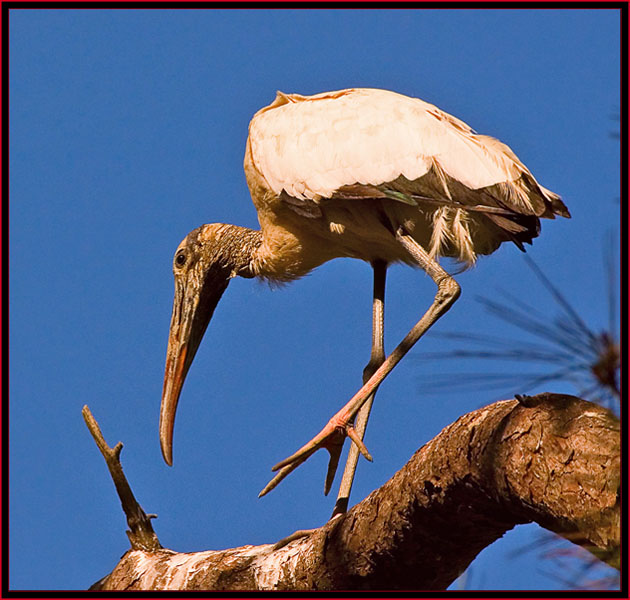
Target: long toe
(335, 449)
(277, 479)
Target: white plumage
(471, 189)
(310, 146)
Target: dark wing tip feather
(559, 207)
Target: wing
(361, 140)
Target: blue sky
(127, 130)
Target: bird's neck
(277, 255)
(236, 247)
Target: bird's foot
(299, 534)
(296, 535)
(332, 438)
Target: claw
(284, 468)
(277, 479)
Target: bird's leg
(377, 357)
(448, 291)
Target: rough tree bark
(552, 459)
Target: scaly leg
(377, 356)
(341, 423)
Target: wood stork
(362, 173)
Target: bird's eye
(180, 260)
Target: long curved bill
(196, 297)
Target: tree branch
(552, 459)
(140, 534)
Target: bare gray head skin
(204, 263)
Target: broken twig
(140, 534)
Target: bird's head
(203, 265)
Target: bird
(363, 173)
